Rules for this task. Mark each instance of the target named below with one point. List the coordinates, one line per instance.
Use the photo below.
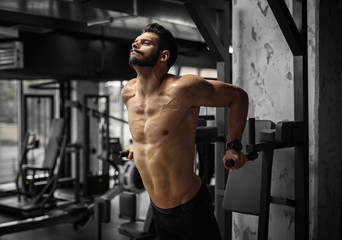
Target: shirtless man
(162, 112)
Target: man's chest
(154, 118)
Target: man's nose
(135, 45)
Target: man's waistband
(183, 207)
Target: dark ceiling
(109, 21)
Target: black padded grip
(123, 154)
(250, 156)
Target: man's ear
(164, 55)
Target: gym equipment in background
(43, 209)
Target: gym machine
(94, 179)
(44, 209)
(129, 181)
(97, 144)
(249, 189)
(40, 201)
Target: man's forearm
(237, 117)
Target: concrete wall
(328, 152)
(262, 61)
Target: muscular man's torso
(163, 128)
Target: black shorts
(192, 220)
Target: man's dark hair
(166, 41)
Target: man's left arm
(219, 94)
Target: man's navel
(165, 132)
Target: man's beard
(149, 61)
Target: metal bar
(224, 26)
(77, 172)
(301, 157)
(260, 147)
(87, 141)
(301, 114)
(22, 127)
(102, 209)
(287, 26)
(208, 33)
(224, 218)
(265, 191)
(98, 209)
(224, 74)
(217, 4)
(283, 201)
(24, 116)
(105, 168)
(251, 130)
(47, 23)
(58, 217)
(86, 150)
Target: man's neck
(149, 80)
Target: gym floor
(67, 232)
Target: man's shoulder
(190, 78)
(131, 82)
(128, 91)
(183, 86)
(187, 79)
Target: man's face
(144, 50)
